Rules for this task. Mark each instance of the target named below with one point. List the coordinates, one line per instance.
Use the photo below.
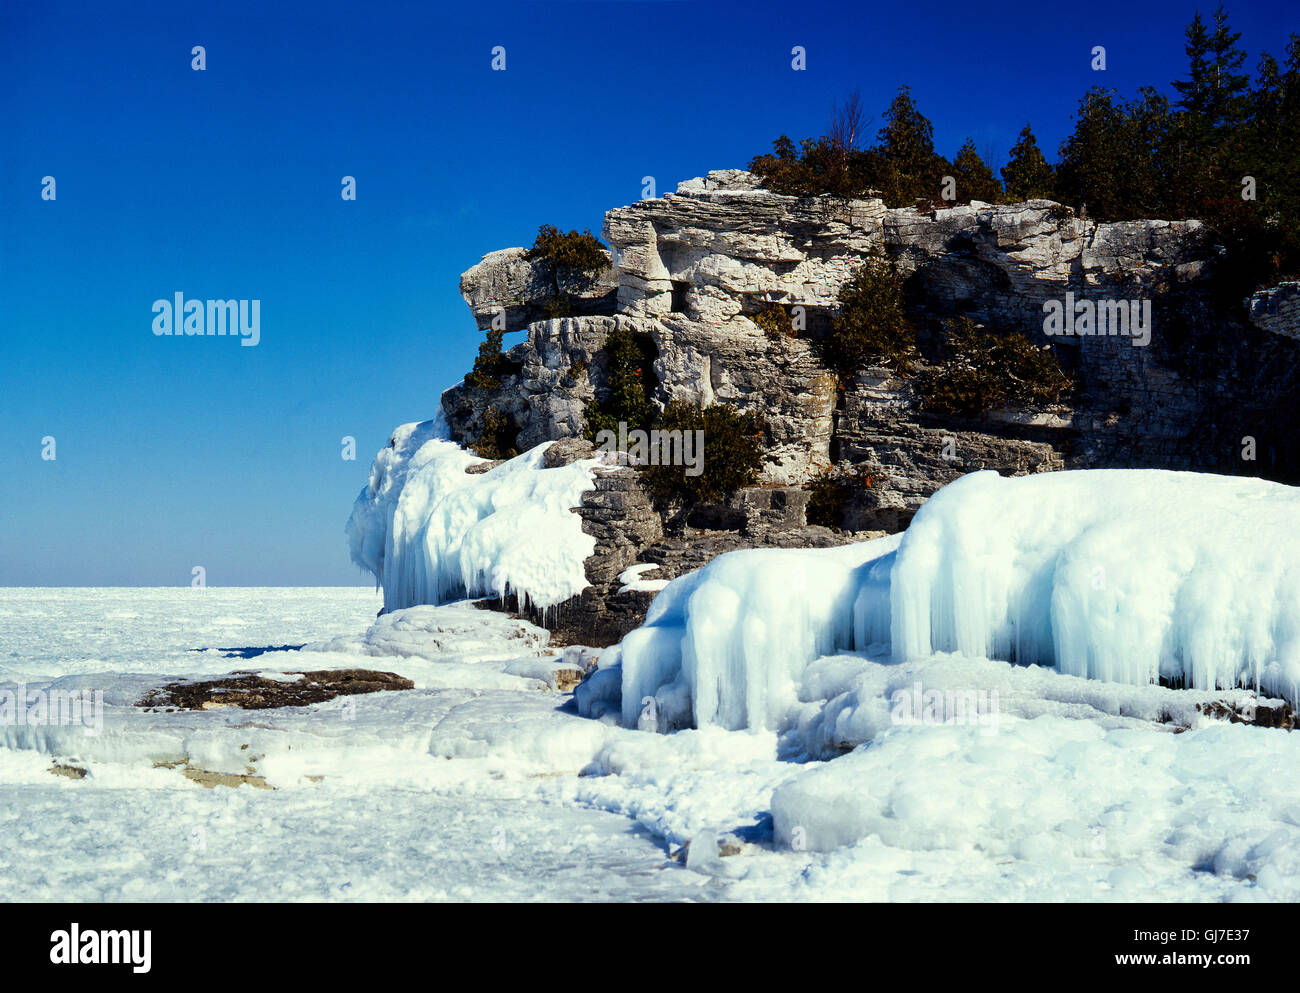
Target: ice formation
(725, 645)
(1131, 576)
(1125, 575)
(1083, 793)
(432, 532)
(631, 581)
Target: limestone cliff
(689, 269)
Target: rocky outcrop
(904, 457)
(251, 691)
(720, 249)
(689, 270)
(509, 285)
(1277, 310)
(630, 532)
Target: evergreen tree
(1194, 92)
(1093, 157)
(488, 364)
(1269, 139)
(1152, 189)
(1229, 89)
(1027, 175)
(872, 324)
(975, 180)
(1207, 143)
(907, 151)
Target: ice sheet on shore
(1077, 794)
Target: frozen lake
(483, 783)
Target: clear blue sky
(175, 452)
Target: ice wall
(726, 645)
(1128, 576)
(431, 532)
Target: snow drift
(1132, 576)
(431, 532)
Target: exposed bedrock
(1217, 381)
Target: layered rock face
(688, 270)
(509, 285)
(1278, 309)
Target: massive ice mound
(726, 645)
(1132, 576)
(1125, 575)
(431, 532)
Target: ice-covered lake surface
(484, 783)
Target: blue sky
(176, 452)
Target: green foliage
(558, 305)
(733, 453)
(1215, 93)
(818, 167)
(830, 492)
(1027, 174)
(871, 326)
(775, 322)
(975, 180)
(1150, 158)
(986, 371)
(628, 358)
(902, 167)
(1111, 164)
(569, 250)
(489, 364)
(913, 169)
(1125, 159)
(498, 438)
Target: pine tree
(1028, 175)
(1207, 149)
(488, 364)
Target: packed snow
(1130, 576)
(432, 531)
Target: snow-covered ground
(483, 782)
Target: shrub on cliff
(986, 370)
(558, 306)
(871, 326)
(775, 322)
(818, 167)
(829, 492)
(628, 357)
(489, 364)
(569, 250)
(732, 458)
(497, 441)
